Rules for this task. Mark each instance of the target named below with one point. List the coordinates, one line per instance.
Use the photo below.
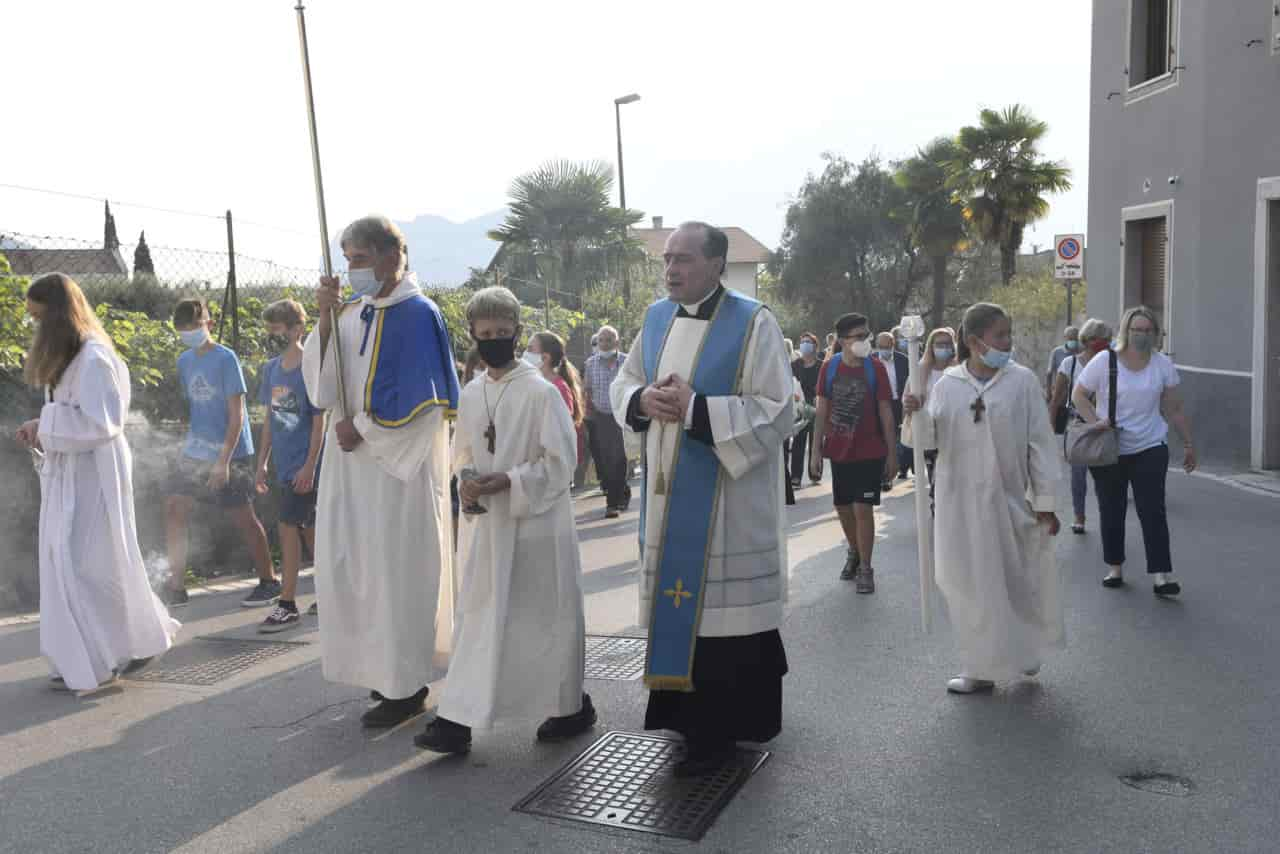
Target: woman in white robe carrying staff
(98, 615)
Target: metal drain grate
(1160, 784)
(615, 657)
(207, 661)
(625, 781)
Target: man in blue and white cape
(384, 554)
(709, 382)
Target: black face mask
(497, 352)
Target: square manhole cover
(207, 661)
(615, 657)
(625, 781)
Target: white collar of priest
(703, 308)
(406, 288)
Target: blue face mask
(943, 354)
(806, 348)
(194, 339)
(996, 359)
(1073, 346)
(364, 282)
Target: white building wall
(742, 278)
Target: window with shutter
(1154, 285)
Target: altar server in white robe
(98, 615)
(519, 641)
(996, 482)
(709, 382)
(384, 558)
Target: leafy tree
(935, 218)
(561, 225)
(1000, 175)
(844, 248)
(1038, 306)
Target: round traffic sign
(1069, 249)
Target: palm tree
(935, 218)
(1002, 179)
(560, 224)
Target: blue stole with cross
(692, 487)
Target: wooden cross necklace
(978, 408)
(491, 432)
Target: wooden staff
(324, 223)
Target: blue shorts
(297, 511)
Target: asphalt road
(874, 756)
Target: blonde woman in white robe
(98, 615)
(997, 481)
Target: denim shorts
(190, 477)
(298, 511)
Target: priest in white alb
(519, 642)
(996, 481)
(384, 559)
(708, 381)
(98, 615)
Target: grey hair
(1122, 336)
(1071, 332)
(493, 304)
(892, 337)
(1094, 329)
(606, 328)
(375, 232)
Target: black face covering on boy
(497, 352)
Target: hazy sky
(433, 107)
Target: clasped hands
(666, 400)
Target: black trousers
(1147, 472)
(610, 455)
(799, 460)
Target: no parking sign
(1068, 256)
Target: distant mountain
(443, 252)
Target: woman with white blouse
(1146, 395)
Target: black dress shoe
(568, 726)
(444, 736)
(1169, 588)
(703, 759)
(389, 713)
(1113, 581)
(135, 664)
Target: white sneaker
(967, 684)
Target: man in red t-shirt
(850, 430)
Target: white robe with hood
(97, 610)
(384, 559)
(519, 646)
(994, 563)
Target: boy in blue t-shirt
(216, 465)
(292, 435)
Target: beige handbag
(1086, 445)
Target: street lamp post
(622, 190)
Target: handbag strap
(1111, 390)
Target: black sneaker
(279, 619)
(851, 565)
(444, 736)
(568, 726)
(174, 597)
(266, 593)
(391, 713)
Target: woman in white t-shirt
(1146, 394)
